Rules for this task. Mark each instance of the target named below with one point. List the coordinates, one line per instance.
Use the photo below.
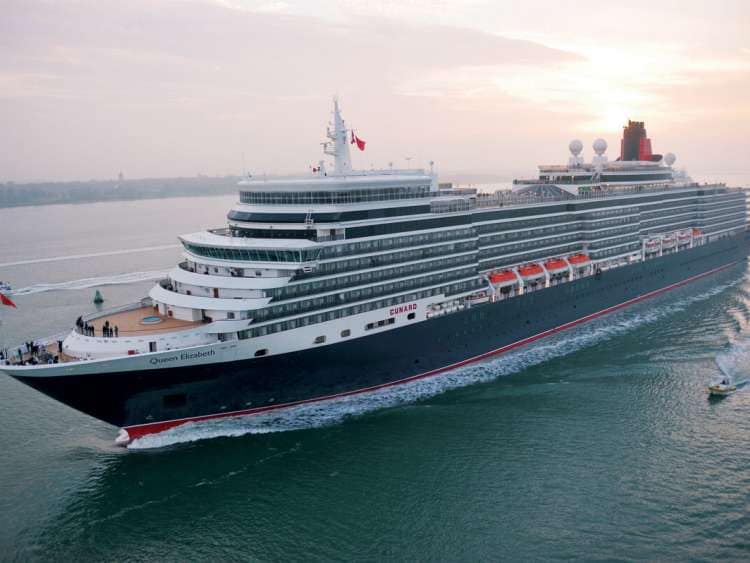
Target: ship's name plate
(184, 356)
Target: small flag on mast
(6, 301)
(359, 142)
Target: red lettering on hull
(402, 309)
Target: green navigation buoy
(98, 298)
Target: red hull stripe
(140, 430)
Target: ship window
(319, 339)
(174, 401)
(345, 333)
(261, 352)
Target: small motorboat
(722, 388)
(5, 286)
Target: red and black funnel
(635, 145)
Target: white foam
(90, 255)
(735, 361)
(118, 279)
(335, 411)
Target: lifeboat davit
(556, 265)
(579, 260)
(532, 271)
(503, 278)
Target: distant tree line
(46, 193)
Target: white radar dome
(600, 146)
(669, 158)
(575, 147)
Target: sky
(152, 88)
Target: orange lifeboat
(579, 260)
(503, 277)
(696, 232)
(556, 265)
(531, 271)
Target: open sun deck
(143, 321)
(135, 324)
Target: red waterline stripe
(140, 430)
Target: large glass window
(335, 197)
(252, 254)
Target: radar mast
(338, 145)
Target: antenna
(337, 145)
(408, 162)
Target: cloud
(177, 76)
(88, 88)
(189, 43)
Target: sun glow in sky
(178, 87)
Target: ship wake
(85, 283)
(335, 411)
(734, 361)
(89, 255)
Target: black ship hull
(156, 399)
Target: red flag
(360, 143)
(6, 301)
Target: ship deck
(130, 323)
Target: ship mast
(338, 144)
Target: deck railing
(145, 302)
(504, 198)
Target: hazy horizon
(178, 88)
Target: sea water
(597, 443)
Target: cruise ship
(344, 281)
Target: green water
(597, 444)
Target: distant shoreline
(35, 194)
(56, 193)
(117, 199)
(100, 191)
